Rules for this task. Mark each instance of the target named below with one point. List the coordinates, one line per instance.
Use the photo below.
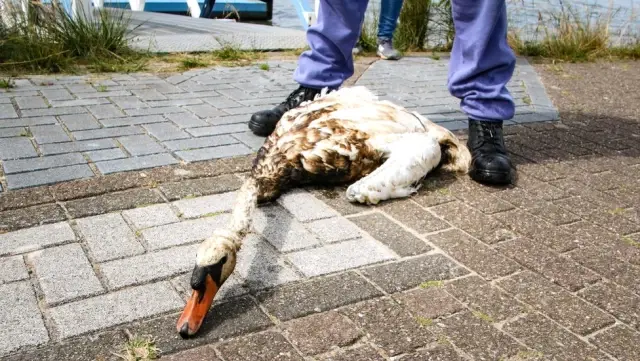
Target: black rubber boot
(490, 162)
(264, 122)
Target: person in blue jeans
(481, 65)
(387, 23)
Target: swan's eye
(223, 260)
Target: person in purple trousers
(481, 65)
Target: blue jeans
(389, 14)
(481, 65)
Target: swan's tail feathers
(456, 155)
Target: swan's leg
(410, 157)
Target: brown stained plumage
(298, 157)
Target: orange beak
(196, 309)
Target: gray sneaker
(386, 50)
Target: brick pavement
(56, 129)
(544, 270)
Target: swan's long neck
(245, 204)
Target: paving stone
(538, 230)
(481, 296)
(263, 346)
(390, 234)
(20, 218)
(149, 267)
(75, 122)
(25, 198)
(223, 102)
(31, 239)
(218, 130)
(314, 208)
(252, 141)
(225, 151)
(48, 176)
(184, 232)
(57, 94)
(20, 318)
(414, 216)
(204, 110)
(151, 216)
(53, 111)
(195, 143)
(97, 100)
(197, 207)
(435, 191)
(474, 254)
(429, 303)
(201, 353)
(165, 131)
(148, 94)
(24, 122)
(557, 268)
(105, 154)
(14, 148)
(362, 353)
(200, 187)
(316, 295)
(334, 229)
(608, 266)
(114, 308)
(261, 266)
(561, 306)
(619, 341)
(553, 341)
(616, 300)
(77, 146)
(283, 231)
(340, 256)
(13, 132)
(140, 145)
(335, 197)
(137, 120)
(389, 326)
(186, 120)
(107, 132)
(224, 320)
(108, 237)
(135, 163)
(7, 111)
(39, 163)
(64, 273)
(437, 353)
(227, 119)
(12, 269)
(31, 102)
(105, 111)
(103, 347)
(319, 333)
(487, 343)
(409, 273)
(153, 111)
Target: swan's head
(215, 261)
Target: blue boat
(246, 9)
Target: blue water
(523, 14)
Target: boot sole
(260, 129)
(494, 178)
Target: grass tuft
(139, 349)
(430, 284)
(7, 83)
(48, 39)
(424, 322)
(483, 316)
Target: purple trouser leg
(330, 61)
(482, 62)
